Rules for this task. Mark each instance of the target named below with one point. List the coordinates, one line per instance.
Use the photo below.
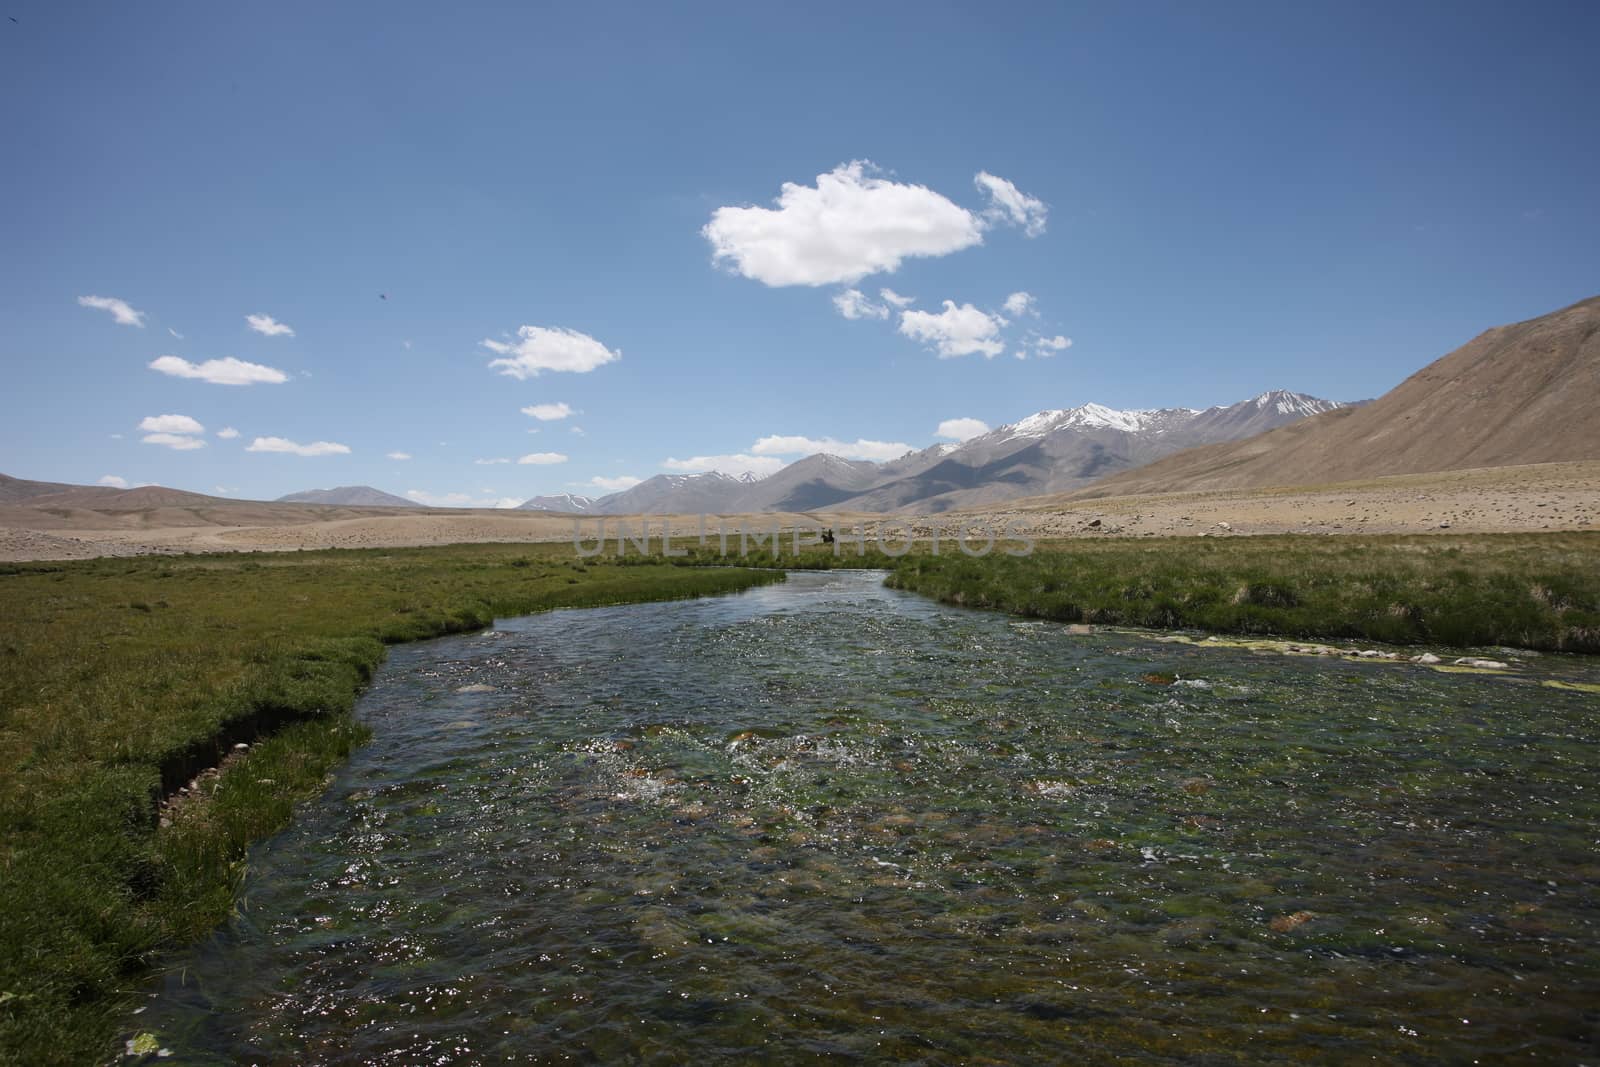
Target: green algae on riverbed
(828, 819)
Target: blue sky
(1207, 200)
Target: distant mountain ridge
(1518, 394)
(1049, 451)
(363, 496)
(565, 503)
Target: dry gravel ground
(1549, 496)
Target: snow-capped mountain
(1049, 451)
(565, 503)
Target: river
(829, 820)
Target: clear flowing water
(829, 820)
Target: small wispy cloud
(490, 462)
(284, 445)
(548, 412)
(733, 463)
(794, 445)
(229, 371)
(269, 326)
(854, 304)
(614, 485)
(180, 442)
(1019, 304)
(956, 331)
(961, 429)
(170, 424)
(538, 349)
(120, 310)
(398, 455)
(175, 333)
(543, 458)
(113, 480)
(227, 433)
(1009, 204)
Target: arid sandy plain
(1550, 496)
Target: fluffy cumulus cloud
(852, 223)
(547, 412)
(614, 485)
(283, 444)
(736, 463)
(854, 304)
(542, 459)
(227, 371)
(793, 445)
(271, 327)
(962, 429)
(398, 455)
(227, 433)
(114, 481)
(1019, 304)
(170, 424)
(955, 331)
(120, 310)
(538, 349)
(461, 500)
(1008, 204)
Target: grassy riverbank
(122, 679)
(1534, 591)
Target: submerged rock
(477, 689)
(1486, 664)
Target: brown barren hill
(1518, 394)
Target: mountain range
(360, 496)
(1517, 394)
(1047, 452)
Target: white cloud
(852, 223)
(491, 462)
(614, 485)
(281, 444)
(579, 430)
(181, 442)
(1019, 304)
(543, 458)
(738, 463)
(170, 424)
(955, 331)
(271, 327)
(461, 500)
(1007, 203)
(961, 429)
(896, 299)
(114, 481)
(853, 304)
(547, 412)
(1048, 346)
(542, 349)
(227, 433)
(175, 333)
(398, 455)
(227, 371)
(877, 451)
(120, 311)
